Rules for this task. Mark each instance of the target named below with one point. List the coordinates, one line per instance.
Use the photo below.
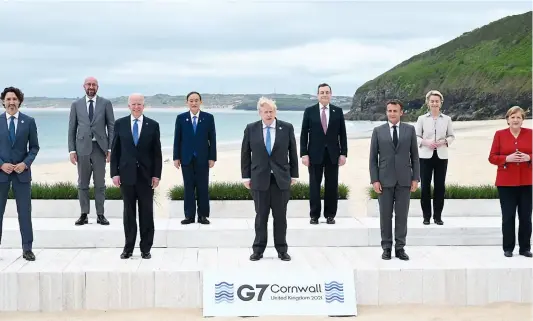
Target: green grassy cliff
(481, 74)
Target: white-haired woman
(434, 132)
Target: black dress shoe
(82, 220)
(508, 253)
(256, 256)
(426, 221)
(203, 220)
(102, 220)
(125, 255)
(402, 255)
(525, 253)
(313, 221)
(146, 255)
(187, 221)
(439, 222)
(284, 256)
(330, 220)
(28, 255)
(386, 254)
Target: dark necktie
(395, 136)
(194, 124)
(91, 110)
(12, 130)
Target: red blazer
(503, 144)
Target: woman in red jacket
(511, 152)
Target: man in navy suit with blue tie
(195, 151)
(19, 146)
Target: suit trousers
(395, 198)
(22, 193)
(276, 199)
(143, 194)
(428, 168)
(196, 185)
(513, 199)
(330, 171)
(93, 164)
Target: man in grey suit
(269, 166)
(90, 146)
(19, 146)
(394, 174)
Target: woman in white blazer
(434, 133)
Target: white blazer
(428, 128)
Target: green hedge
(65, 191)
(454, 191)
(237, 191)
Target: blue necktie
(194, 124)
(12, 130)
(135, 132)
(268, 139)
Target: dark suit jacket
(257, 164)
(25, 148)
(186, 142)
(313, 140)
(136, 163)
(390, 165)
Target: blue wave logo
(224, 292)
(334, 292)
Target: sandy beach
(468, 164)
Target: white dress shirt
(16, 120)
(392, 130)
(272, 133)
(139, 124)
(320, 106)
(197, 116)
(434, 129)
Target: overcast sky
(222, 46)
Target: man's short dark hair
(14, 90)
(395, 102)
(323, 85)
(193, 93)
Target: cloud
(230, 46)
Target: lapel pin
(280, 128)
(22, 122)
(333, 110)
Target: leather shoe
(330, 220)
(102, 220)
(439, 222)
(508, 253)
(284, 256)
(146, 255)
(402, 255)
(203, 220)
(82, 220)
(386, 254)
(426, 222)
(256, 256)
(525, 253)
(313, 221)
(28, 255)
(187, 221)
(125, 255)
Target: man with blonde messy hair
(269, 166)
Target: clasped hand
(432, 144)
(9, 168)
(517, 157)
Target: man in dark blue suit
(19, 146)
(195, 150)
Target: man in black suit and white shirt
(136, 164)
(323, 148)
(269, 166)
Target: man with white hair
(136, 164)
(269, 166)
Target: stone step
(452, 208)
(114, 209)
(79, 279)
(239, 232)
